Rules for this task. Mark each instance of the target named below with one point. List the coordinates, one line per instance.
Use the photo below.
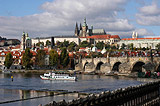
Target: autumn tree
(48, 43)
(53, 57)
(40, 58)
(100, 45)
(8, 60)
(64, 57)
(158, 46)
(85, 44)
(72, 46)
(26, 59)
(38, 44)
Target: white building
(56, 39)
(140, 42)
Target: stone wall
(141, 95)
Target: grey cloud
(59, 17)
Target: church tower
(23, 39)
(76, 30)
(84, 28)
(134, 35)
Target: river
(11, 90)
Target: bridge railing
(141, 95)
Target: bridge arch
(116, 66)
(158, 68)
(85, 65)
(137, 66)
(98, 66)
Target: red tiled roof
(99, 36)
(82, 48)
(82, 37)
(115, 36)
(139, 38)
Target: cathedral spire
(84, 23)
(80, 27)
(76, 30)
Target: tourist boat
(54, 76)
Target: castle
(84, 31)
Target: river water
(12, 90)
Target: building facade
(84, 31)
(140, 42)
(25, 41)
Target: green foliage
(107, 46)
(123, 46)
(65, 43)
(38, 44)
(53, 57)
(100, 45)
(85, 44)
(59, 44)
(40, 58)
(158, 46)
(26, 59)
(8, 60)
(72, 46)
(64, 57)
(131, 46)
(48, 43)
(113, 47)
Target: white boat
(6, 71)
(53, 76)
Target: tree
(53, 57)
(8, 60)
(38, 44)
(123, 46)
(72, 46)
(26, 59)
(85, 44)
(64, 57)
(48, 43)
(131, 47)
(65, 43)
(100, 45)
(59, 44)
(40, 58)
(158, 46)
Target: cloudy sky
(41, 18)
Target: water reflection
(56, 81)
(11, 95)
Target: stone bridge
(119, 64)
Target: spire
(76, 30)
(84, 23)
(80, 27)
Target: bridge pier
(105, 68)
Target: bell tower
(23, 41)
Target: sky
(44, 18)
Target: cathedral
(84, 31)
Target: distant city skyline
(43, 18)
